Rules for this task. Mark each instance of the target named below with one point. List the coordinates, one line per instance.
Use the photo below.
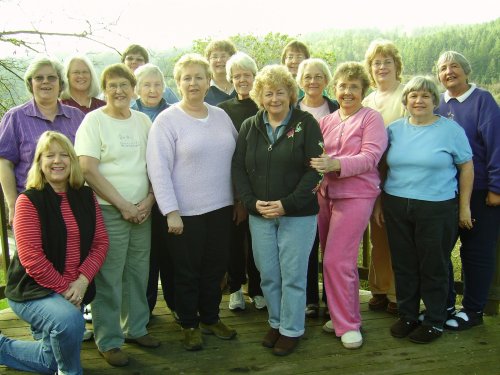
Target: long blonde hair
(36, 179)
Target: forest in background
(419, 49)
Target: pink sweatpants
(341, 224)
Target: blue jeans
(281, 250)
(62, 327)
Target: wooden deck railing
(491, 308)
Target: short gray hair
(37, 64)
(94, 80)
(318, 63)
(240, 60)
(421, 83)
(146, 70)
(456, 57)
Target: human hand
(377, 214)
(174, 222)
(144, 208)
(240, 213)
(130, 212)
(76, 290)
(464, 218)
(271, 209)
(493, 199)
(325, 164)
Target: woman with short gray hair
(477, 112)
(21, 126)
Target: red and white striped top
(28, 236)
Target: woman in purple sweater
(189, 164)
(476, 111)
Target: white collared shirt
(462, 97)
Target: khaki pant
(381, 276)
(120, 308)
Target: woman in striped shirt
(61, 244)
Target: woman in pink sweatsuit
(355, 139)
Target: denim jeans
(281, 250)
(62, 326)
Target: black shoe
(425, 334)
(403, 328)
(463, 320)
(312, 310)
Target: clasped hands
(270, 210)
(76, 291)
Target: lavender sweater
(189, 161)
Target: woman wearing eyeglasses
(111, 145)
(384, 66)
(217, 54)
(313, 77)
(355, 139)
(83, 86)
(22, 126)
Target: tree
(12, 90)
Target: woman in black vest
(61, 244)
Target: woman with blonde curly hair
(273, 178)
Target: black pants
(478, 253)
(421, 236)
(200, 256)
(312, 292)
(241, 262)
(160, 263)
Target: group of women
(181, 187)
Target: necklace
(83, 105)
(352, 114)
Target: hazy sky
(164, 24)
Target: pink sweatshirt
(358, 142)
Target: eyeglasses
(317, 78)
(113, 87)
(378, 63)
(351, 88)
(215, 57)
(80, 73)
(297, 57)
(40, 79)
(244, 76)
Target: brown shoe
(285, 345)
(378, 302)
(192, 339)
(218, 329)
(115, 357)
(392, 308)
(271, 337)
(147, 341)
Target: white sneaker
(352, 339)
(259, 302)
(328, 327)
(237, 301)
(87, 313)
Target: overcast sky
(164, 24)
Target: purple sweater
(479, 115)
(358, 142)
(189, 161)
(22, 126)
